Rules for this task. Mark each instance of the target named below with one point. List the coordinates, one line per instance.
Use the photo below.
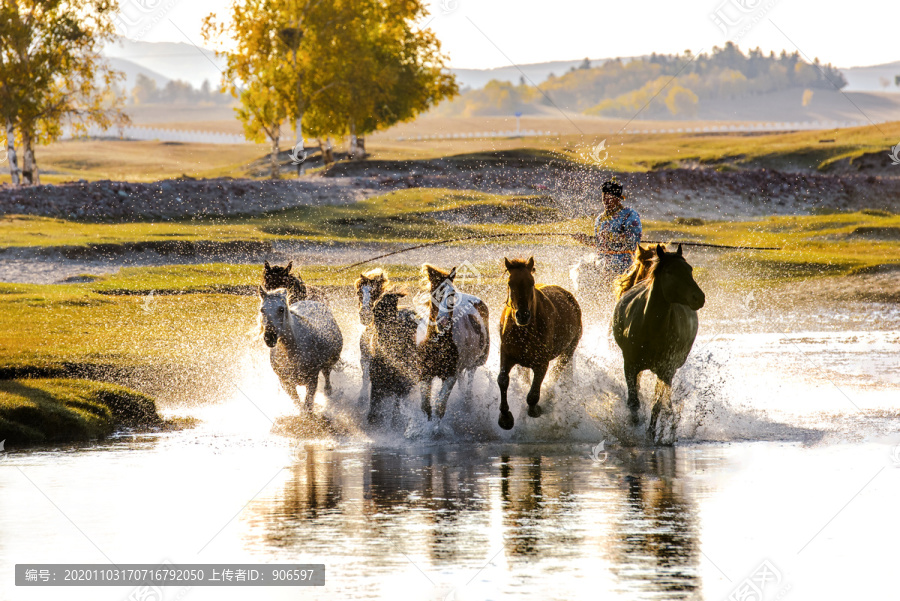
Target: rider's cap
(612, 187)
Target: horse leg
(663, 396)
(375, 399)
(425, 388)
(534, 395)
(506, 420)
(633, 403)
(444, 394)
(365, 360)
(654, 411)
(327, 374)
(312, 384)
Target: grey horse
(305, 341)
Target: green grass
(418, 214)
(55, 410)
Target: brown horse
(538, 324)
(655, 324)
(638, 271)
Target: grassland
(802, 150)
(113, 329)
(52, 410)
(837, 242)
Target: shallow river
(785, 477)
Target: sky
(483, 34)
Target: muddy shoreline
(664, 194)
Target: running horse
(370, 286)
(304, 339)
(452, 341)
(538, 324)
(655, 324)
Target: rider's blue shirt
(617, 233)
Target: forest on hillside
(671, 85)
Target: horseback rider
(617, 230)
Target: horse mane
(627, 280)
(376, 274)
(518, 263)
(425, 282)
(282, 292)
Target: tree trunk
(273, 158)
(30, 175)
(354, 149)
(299, 149)
(361, 146)
(326, 148)
(11, 153)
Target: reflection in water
(657, 543)
(540, 510)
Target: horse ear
(660, 251)
(530, 264)
(679, 250)
(508, 264)
(267, 266)
(452, 274)
(289, 265)
(260, 292)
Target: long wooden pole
(541, 235)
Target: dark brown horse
(641, 262)
(655, 324)
(394, 368)
(538, 324)
(369, 288)
(275, 277)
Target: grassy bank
(810, 244)
(135, 161)
(58, 410)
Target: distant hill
(132, 70)
(171, 60)
(872, 79)
(536, 72)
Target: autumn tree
(268, 66)
(386, 70)
(51, 48)
(330, 67)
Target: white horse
(589, 277)
(452, 340)
(305, 341)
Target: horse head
(275, 276)
(273, 314)
(521, 289)
(369, 288)
(443, 295)
(385, 311)
(674, 276)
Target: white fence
(739, 127)
(137, 132)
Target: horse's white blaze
(365, 309)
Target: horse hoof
(534, 411)
(506, 420)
